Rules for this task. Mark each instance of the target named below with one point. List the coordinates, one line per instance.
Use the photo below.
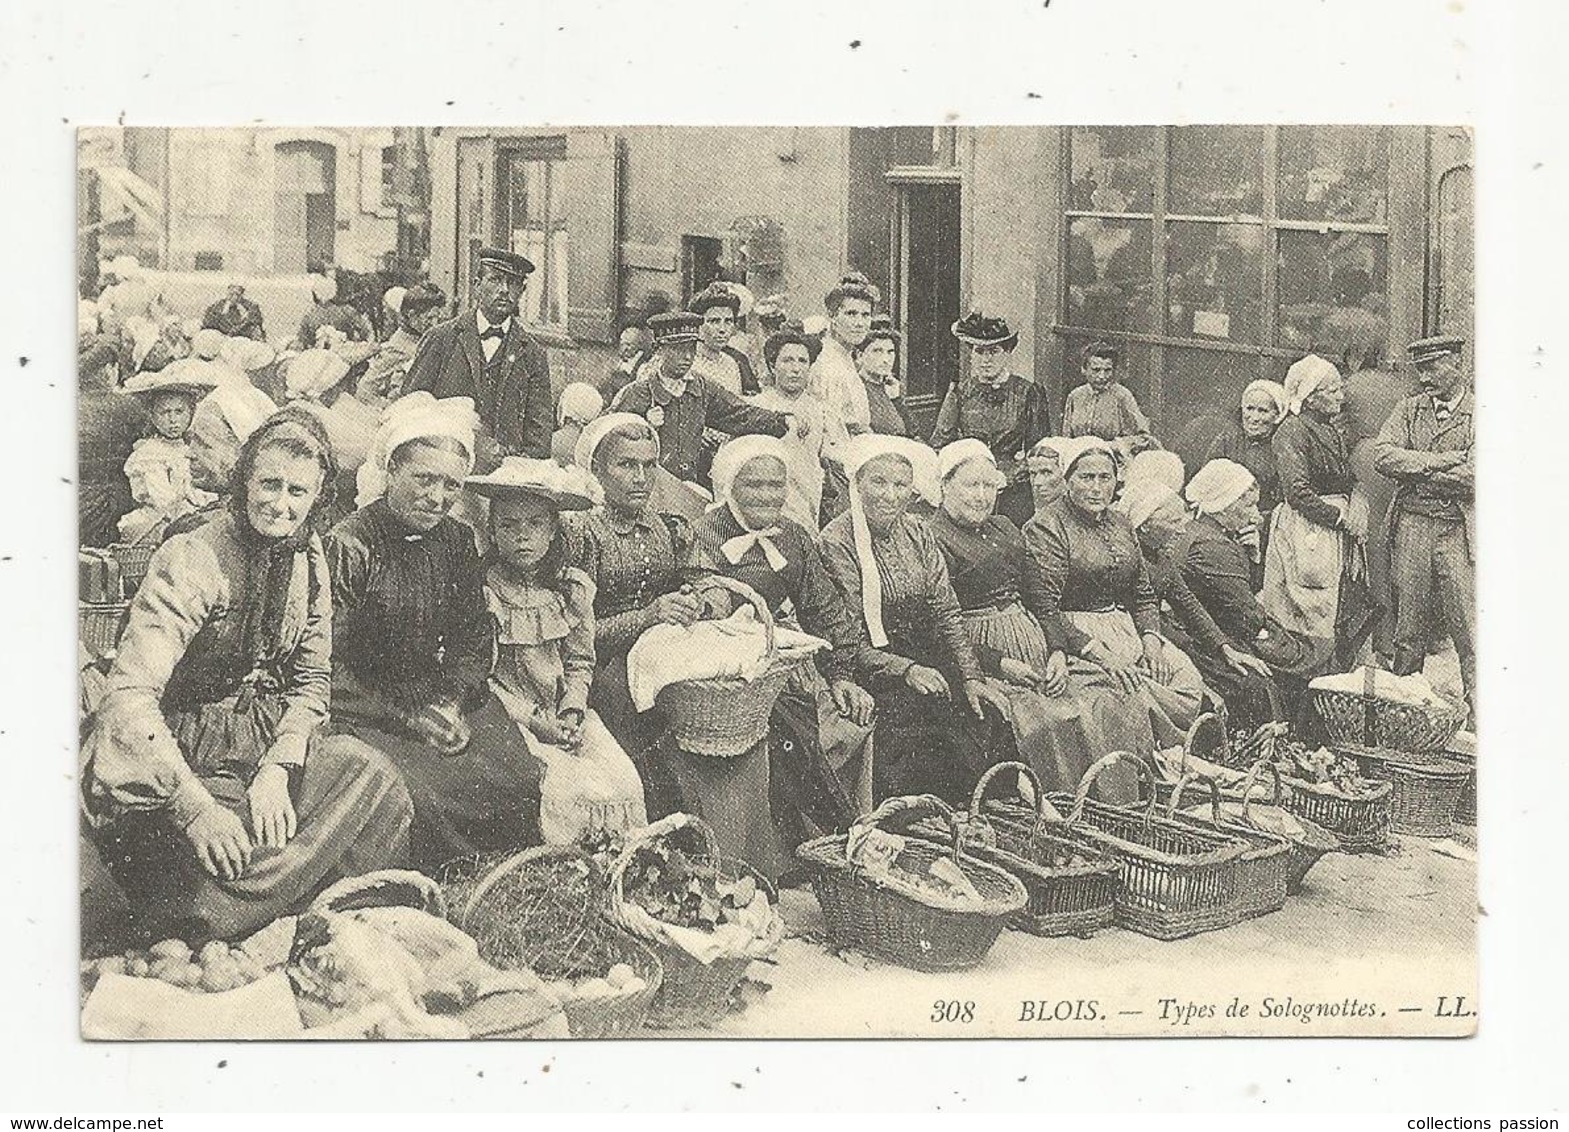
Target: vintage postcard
(776, 582)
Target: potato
(620, 975)
(166, 969)
(189, 977)
(170, 949)
(594, 988)
(213, 951)
(221, 976)
(632, 986)
(111, 965)
(137, 967)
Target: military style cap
(1431, 349)
(509, 263)
(674, 327)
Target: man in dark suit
(234, 315)
(485, 354)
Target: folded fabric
(1413, 689)
(736, 646)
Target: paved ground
(1392, 932)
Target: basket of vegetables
(1329, 790)
(705, 917)
(1175, 879)
(542, 909)
(1425, 795)
(890, 892)
(1265, 867)
(1070, 882)
(1373, 708)
(1309, 841)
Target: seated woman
(213, 793)
(640, 559)
(544, 611)
(1203, 571)
(1044, 464)
(888, 567)
(1088, 585)
(820, 766)
(415, 640)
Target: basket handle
(912, 807)
(381, 889)
(493, 877)
(1207, 722)
(1369, 705)
(1214, 794)
(640, 838)
(765, 616)
(1251, 781)
(993, 771)
(1146, 779)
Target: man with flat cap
(1426, 447)
(680, 404)
(485, 354)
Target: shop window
(1109, 285)
(1216, 171)
(1215, 281)
(209, 261)
(532, 221)
(1338, 174)
(1113, 168)
(1319, 272)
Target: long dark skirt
(353, 813)
(486, 798)
(642, 735)
(819, 773)
(731, 795)
(931, 744)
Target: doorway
(927, 285)
(305, 205)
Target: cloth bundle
(1413, 689)
(736, 647)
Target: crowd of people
(392, 611)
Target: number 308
(952, 1010)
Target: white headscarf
(580, 401)
(312, 373)
(208, 343)
(599, 428)
(1159, 465)
(1276, 392)
(923, 463)
(1217, 485)
(732, 456)
(962, 452)
(1083, 446)
(246, 355)
(1304, 377)
(415, 416)
(1144, 497)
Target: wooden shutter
(593, 211)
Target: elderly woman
(789, 355)
(1248, 439)
(996, 406)
(820, 772)
(1088, 585)
(415, 640)
(1204, 573)
(212, 789)
(889, 568)
(1315, 576)
(641, 559)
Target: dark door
(928, 274)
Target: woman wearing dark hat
(213, 790)
(789, 354)
(996, 406)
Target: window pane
(1322, 272)
(1203, 390)
(1109, 277)
(537, 229)
(1214, 281)
(1113, 168)
(1216, 171)
(1334, 173)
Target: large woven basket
(900, 925)
(1174, 879)
(1425, 795)
(543, 909)
(1367, 720)
(1360, 824)
(727, 716)
(99, 624)
(1071, 882)
(692, 994)
(1265, 867)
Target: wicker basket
(99, 625)
(727, 716)
(556, 930)
(1064, 899)
(1368, 721)
(1360, 825)
(134, 556)
(1425, 794)
(1174, 879)
(896, 924)
(1265, 867)
(692, 994)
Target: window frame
(552, 150)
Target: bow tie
(496, 332)
(735, 549)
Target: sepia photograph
(941, 581)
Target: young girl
(544, 611)
(789, 354)
(159, 467)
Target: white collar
(485, 324)
(1449, 406)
